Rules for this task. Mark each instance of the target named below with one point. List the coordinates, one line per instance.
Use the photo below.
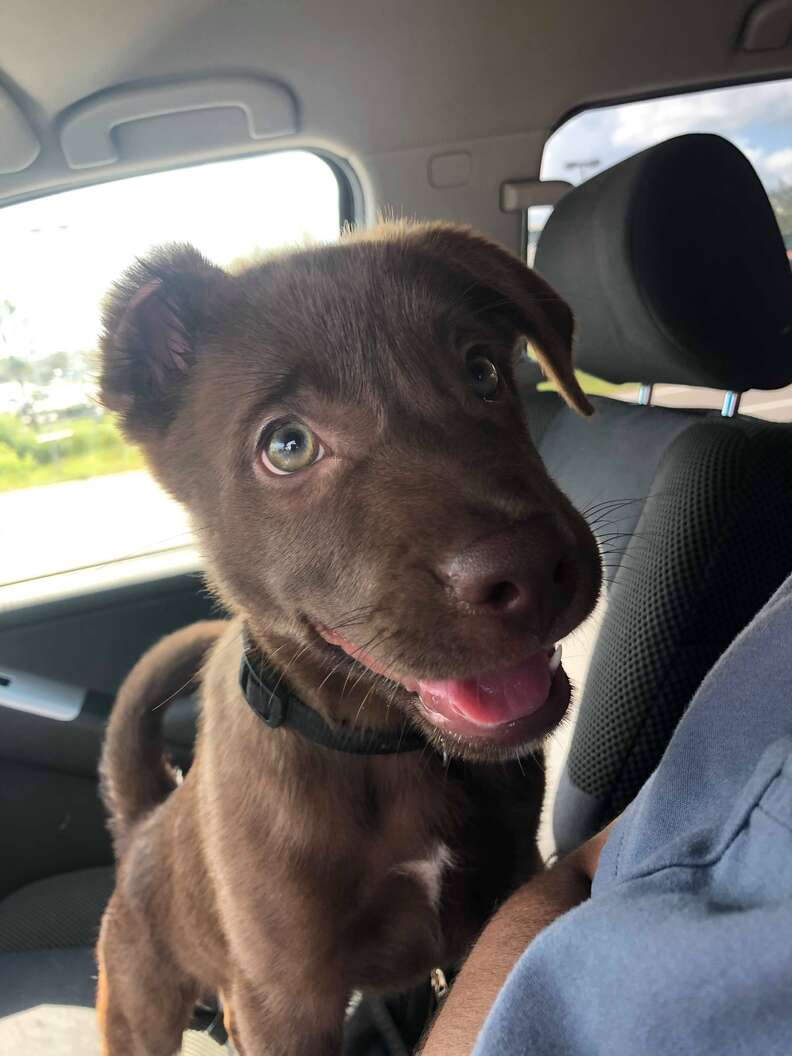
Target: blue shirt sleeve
(684, 946)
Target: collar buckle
(260, 695)
(275, 715)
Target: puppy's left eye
(290, 446)
(483, 376)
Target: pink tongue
(493, 699)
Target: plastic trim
(87, 131)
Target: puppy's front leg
(143, 1000)
(284, 1020)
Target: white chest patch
(429, 871)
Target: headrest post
(731, 404)
(645, 395)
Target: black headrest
(675, 268)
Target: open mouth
(505, 707)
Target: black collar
(272, 700)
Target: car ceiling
(386, 85)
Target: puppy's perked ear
(151, 318)
(542, 316)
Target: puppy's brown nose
(527, 572)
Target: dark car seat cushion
(59, 911)
(676, 271)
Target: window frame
(180, 560)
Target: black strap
(272, 700)
(208, 1018)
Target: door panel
(51, 819)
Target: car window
(72, 493)
(755, 117)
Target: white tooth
(555, 660)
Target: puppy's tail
(134, 775)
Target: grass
(74, 449)
(75, 467)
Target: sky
(757, 117)
(61, 253)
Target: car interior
(639, 155)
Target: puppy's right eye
(288, 447)
(483, 376)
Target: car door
(97, 562)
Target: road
(85, 522)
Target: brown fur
(278, 872)
(102, 1002)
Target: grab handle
(87, 132)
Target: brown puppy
(342, 424)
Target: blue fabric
(685, 946)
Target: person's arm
(503, 941)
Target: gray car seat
(676, 270)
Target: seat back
(693, 511)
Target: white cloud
(745, 114)
(774, 167)
(728, 111)
(780, 161)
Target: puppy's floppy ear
(542, 316)
(150, 321)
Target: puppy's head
(343, 425)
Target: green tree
(20, 371)
(12, 368)
(781, 200)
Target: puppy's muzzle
(527, 574)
